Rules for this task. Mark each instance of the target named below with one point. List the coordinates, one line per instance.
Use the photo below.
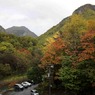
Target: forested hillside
(17, 54)
(70, 48)
(85, 12)
(62, 59)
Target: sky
(37, 15)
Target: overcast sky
(37, 15)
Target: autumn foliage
(87, 46)
(74, 53)
(54, 53)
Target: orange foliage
(11, 84)
(24, 51)
(88, 46)
(54, 53)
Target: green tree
(35, 74)
(5, 70)
(79, 78)
(6, 47)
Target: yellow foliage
(49, 41)
(91, 25)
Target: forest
(68, 47)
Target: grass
(9, 82)
(15, 78)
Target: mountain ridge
(82, 10)
(20, 31)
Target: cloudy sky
(37, 15)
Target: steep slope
(2, 29)
(20, 31)
(84, 8)
(87, 11)
(51, 32)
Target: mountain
(51, 32)
(2, 29)
(87, 11)
(20, 31)
(84, 8)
